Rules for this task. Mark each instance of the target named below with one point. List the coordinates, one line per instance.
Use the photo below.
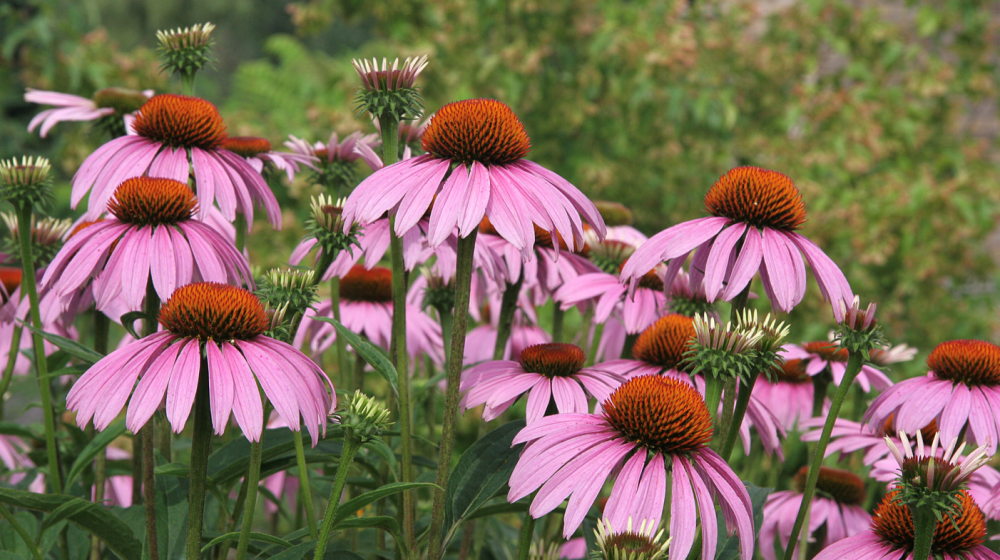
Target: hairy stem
(253, 481)
(201, 447)
(524, 541)
(307, 501)
(351, 447)
(924, 523)
(742, 400)
(505, 322)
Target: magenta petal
(653, 490)
(247, 407)
(220, 387)
(538, 399)
(148, 394)
(419, 197)
(747, 264)
(445, 213)
(683, 518)
(620, 504)
(477, 196)
(205, 172)
(673, 242)
(568, 395)
(955, 413)
(164, 266)
(706, 510)
(135, 278)
(717, 262)
(780, 270)
(183, 384)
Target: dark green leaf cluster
(336, 176)
(720, 363)
(863, 341)
(403, 104)
(440, 296)
(186, 62)
(944, 503)
(37, 195)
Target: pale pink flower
(821, 355)
(68, 107)
(257, 152)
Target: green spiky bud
(46, 237)
(186, 51)
(390, 91)
(26, 183)
(363, 417)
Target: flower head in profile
(257, 152)
(150, 235)
(837, 510)
(961, 391)
(550, 372)
(225, 324)
(108, 107)
(335, 159)
(640, 543)
(752, 230)
(822, 357)
(474, 168)
(170, 136)
(649, 428)
(46, 237)
(958, 535)
(389, 91)
(366, 417)
(186, 51)
(26, 183)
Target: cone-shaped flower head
(649, 427)
(186, 51)
(641, 543)
(366, 417)
(46, 237)
(548, 372)
(212, 339)
(755, 213)
(958, 535)
(174, 134)
(389, 91)
(290, 293)
(150, 234)
(109, 107)
(961, 391)
(665, 343)
(27, 182)
(257, 151)
(837, 511)
(724, 352)
(474, 168)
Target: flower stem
(742, 400)
(32, 547)
(402, 370)
(924, 523)
(732, 418)
(854, 363)
(524, 541)
(149, 490)
(241, 232)
(627, 350)
(345, 370)
(8, 372)
(463, 285)
(351, 447)
(595, 344)
(253, 481)
(201, 446)
(713, 393)
(307, 501)
(41, 366)
(558, 317)
(505, 322)
(726, 424)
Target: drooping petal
(683, 518)
(183, 384)
(220, 387)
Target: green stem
(742, 400)
(307, 501)
(524, 541)
(187, 83)
(820, 384)
(137, 467)
(726, 424)
(164, 436)
(924, 523)
(627, 350)
(149, 490)
(41, 366)
(201, 446)
(100, 477)
(505, 322)
(342, 366)
(403, 371)
(241, 232)
(558, 317)
(595, 344)
(8, 372)
(713, 393)
(351, 447)
(241, 498)
(463, 285)
(447, 320)
(253, 481)
(32, 547)
(854, 363)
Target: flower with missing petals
(474, 168)
(221, 326)
(257, 152)
(550, 372)
(961, 391)
(755, 213)
(651, 426)
(171, 136)
(108, 106)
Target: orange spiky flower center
(973, 362)
(552, 359)
(246, 146)
(180, 121)
(759, 197)
(152, 201)
(10, 277)
(476, 130)
(361, 284)
(957, 532)
(662, 414)
(212, 311)
(827, 351)
(665, 342)
(791, 371)
(843, 486)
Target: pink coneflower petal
(183, 385)
(718, 259)
(247, 407)
(221, 387)
(683, 512)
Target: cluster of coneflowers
(618, 432)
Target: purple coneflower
(821, 355)
(547, 372)
(789, 395)
(174, 134)
(649, 427)
(257, 152)
(485, 142)
(848, 436)
(837, 506)
(958, 536)
(14, 456)
(67, 107)
(151, 236)
(226, 325)
(755, 213)
(961, 391)
(638, 312)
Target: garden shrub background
(884, 113)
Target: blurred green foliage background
(884, 113)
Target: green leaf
(482, 471)
(387, 524)
(128, 322)
(71, 347)
(235, 535)
(12, 429)
(302, 551)
(371, 353)
(350, 506)
(97, 520)
(95, 446)
(729, 547)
